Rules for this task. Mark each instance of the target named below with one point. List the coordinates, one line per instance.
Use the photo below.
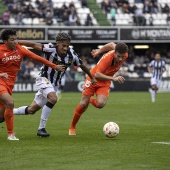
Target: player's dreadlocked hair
(63, 37)
(6, 33)
(121, 48)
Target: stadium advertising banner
(87, 35)
(76, 86)
(30, 33)
(143, 34)
(95, 34)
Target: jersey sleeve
(48, 48)
(105, 62)
(33, 56)
(76, 60)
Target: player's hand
(5, 75)
(60, 68)
(95, 52)
(120, 79)
(93, 81)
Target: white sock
(153, 95)
(20, 110)
(44, 116)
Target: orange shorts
(98, 88)
(4, 89)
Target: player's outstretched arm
(107, 47)
(34, 45)
(120, 79)
(104, 77)
(42, 60)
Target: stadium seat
(108, 16)
(36, 21)
(121, 22)
(134, 75)
(12, 21)
(54, 21)
(164, 16)
(99, 1)
(27, 21)
(147, 74)
(77, 5)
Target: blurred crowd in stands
(138, 8)
(43, 10)
(48, 13)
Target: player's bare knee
(53, 100)
(84, 105)
(101, 105)
(10, 104)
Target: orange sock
(93, 101)
(9, 120)
(77, 114)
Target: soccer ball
(111, 129)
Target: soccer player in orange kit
(104, 71)
(11, 55)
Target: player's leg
(7, 100)
(80, 109)
(102, 94)
(61, 88)
(2, 110)
(156, 87)
(153, 89)
(25, 110)
(51, 99)
(99, 101)
(89, 91)
(153, 92)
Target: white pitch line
(163, 143)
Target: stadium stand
(51, 12)
(137, 12)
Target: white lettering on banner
(99, 32)
(35, 87)
(151, 33)
(84, 32)
(22, 87)
(164, 86)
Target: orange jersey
(10, 61)
(106, 66)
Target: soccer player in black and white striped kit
(48, 81)
(156, 68)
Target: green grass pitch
(141, 124)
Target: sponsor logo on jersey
(14, 57)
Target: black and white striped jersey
(157, 68)
(50, 53)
